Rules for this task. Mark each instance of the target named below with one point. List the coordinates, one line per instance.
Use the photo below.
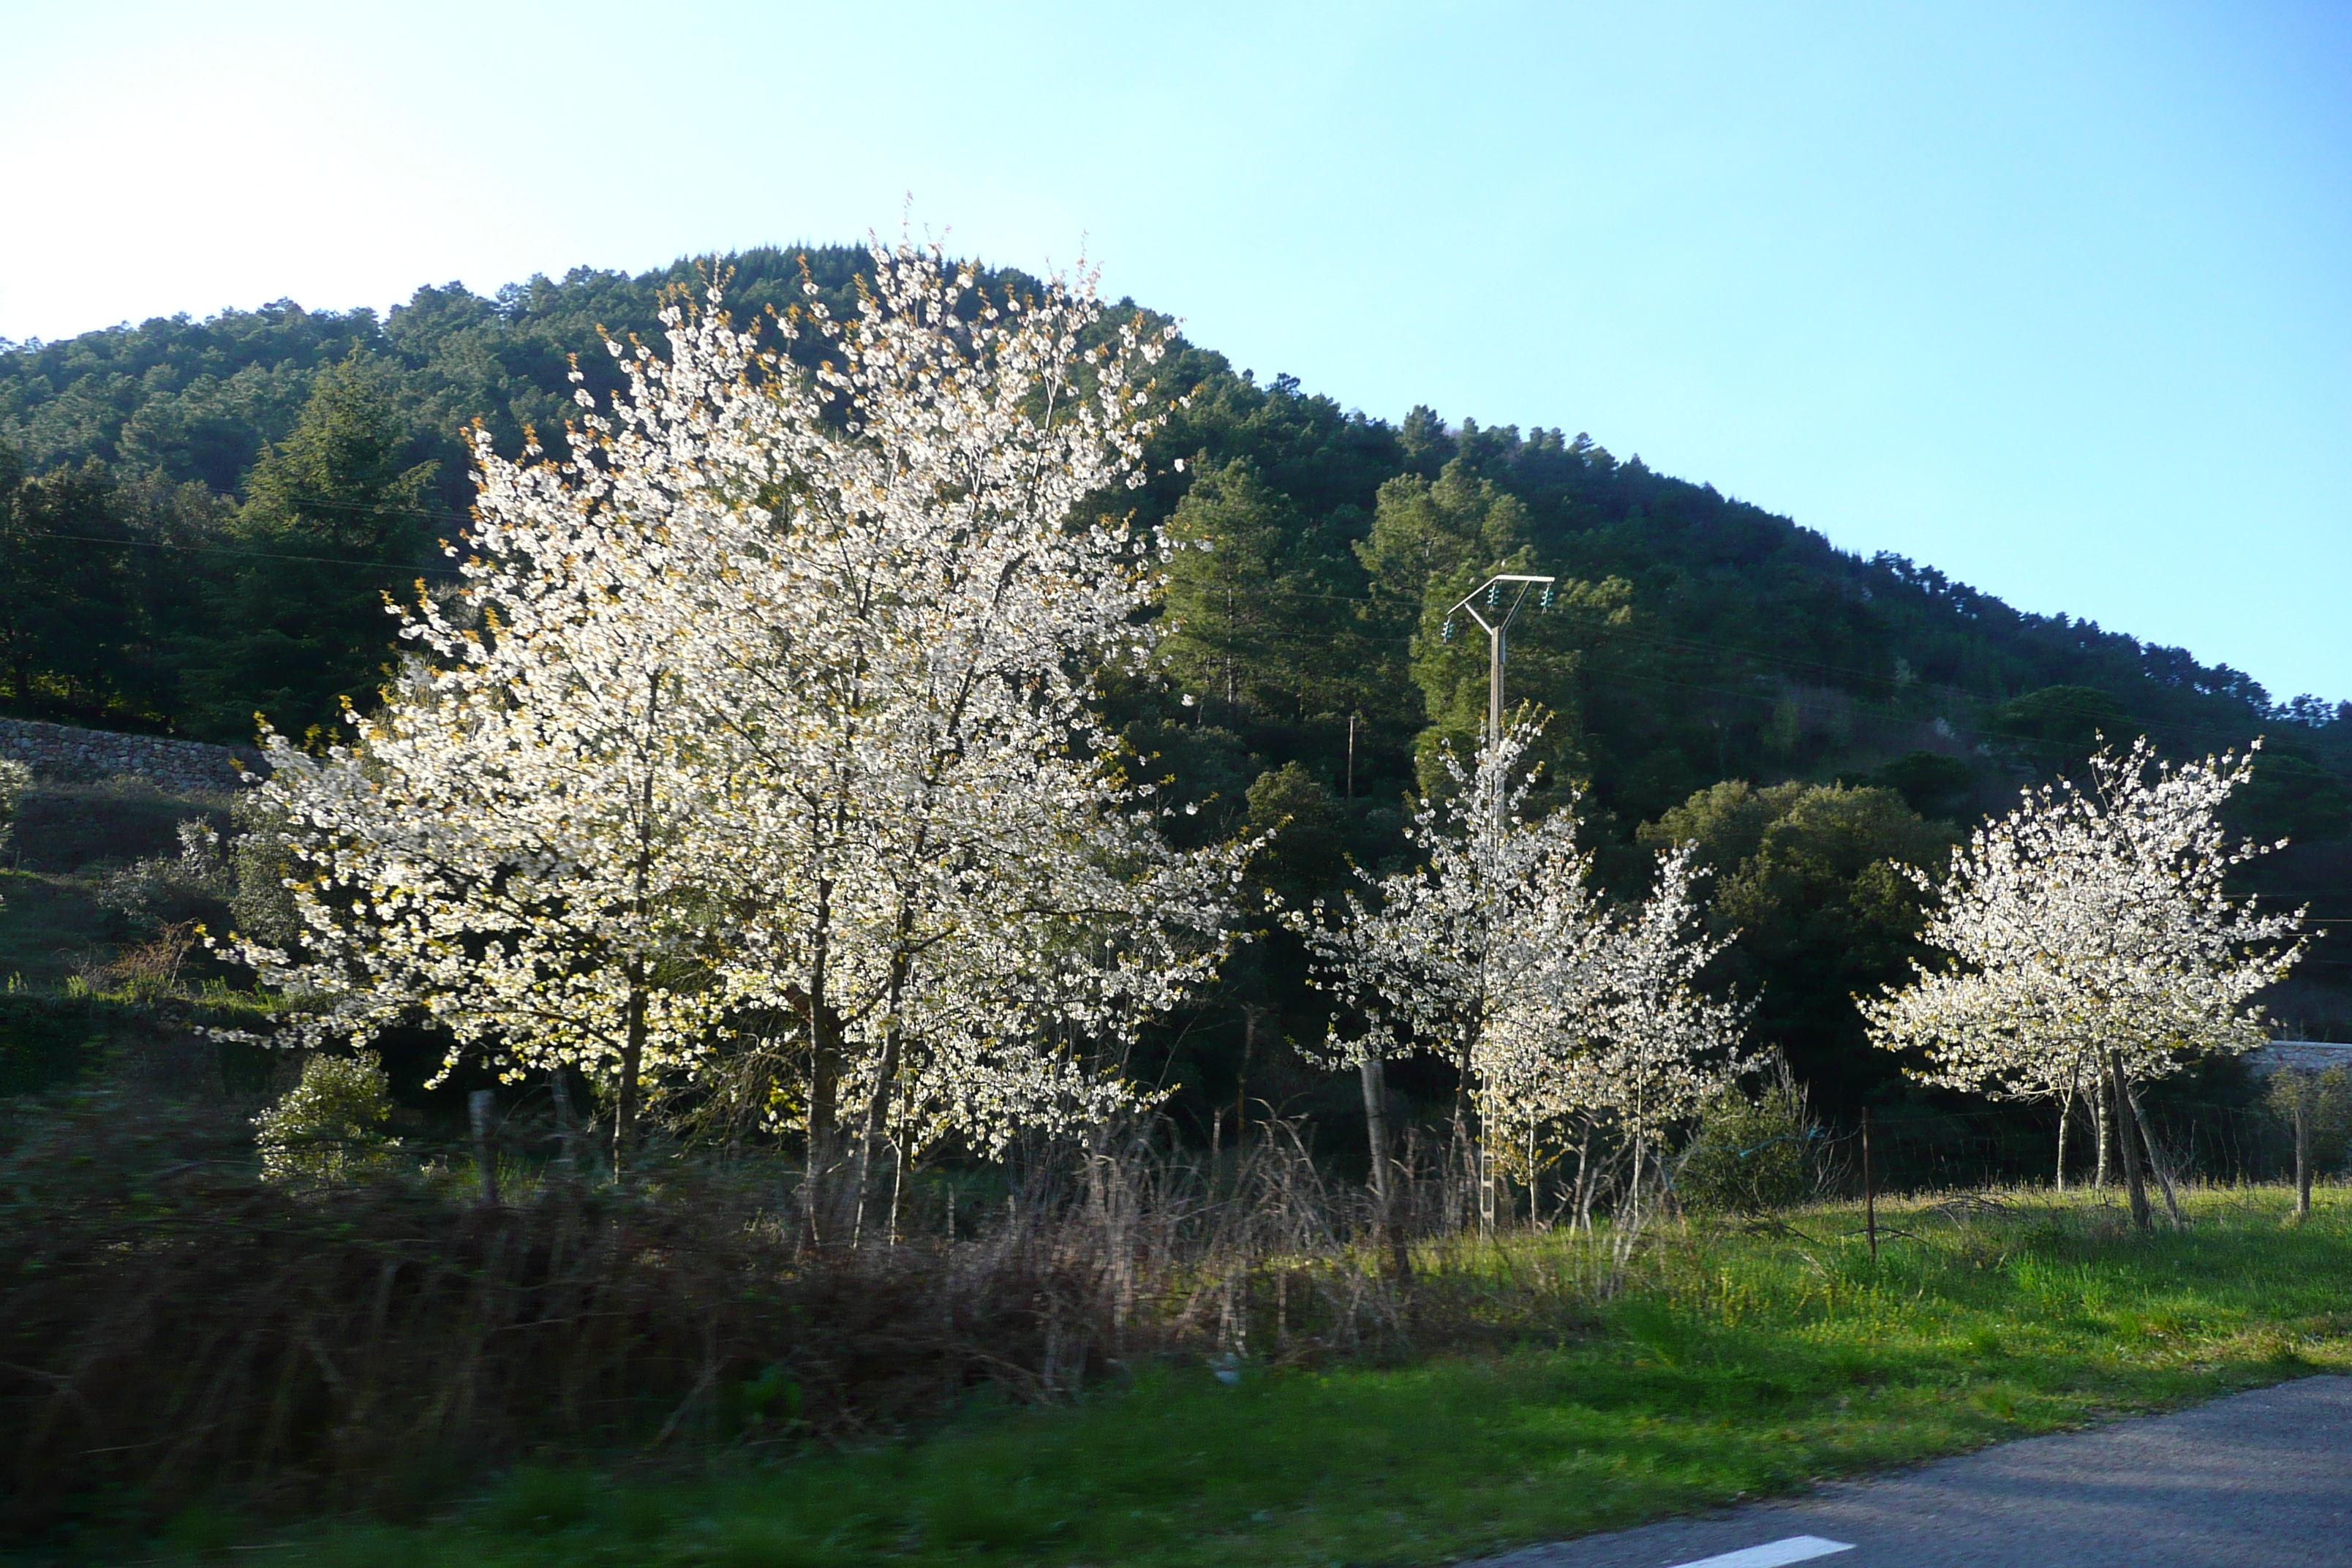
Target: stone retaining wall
(64, 754)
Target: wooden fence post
(1869, 1189)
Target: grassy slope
(46, 925)
(1743, 1363)
(65, 838)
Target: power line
(1751, 695)
(1704, 645)
(208, 547)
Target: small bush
(160, 891)
(2323, 1101)
(16, 778)
(328, 1128)
(180, 1329)
(1752, 1155)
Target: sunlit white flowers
(2087, 923)
(1498, 954)
(765, 717)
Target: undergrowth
(1740, 1359)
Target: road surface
(2256, 1480)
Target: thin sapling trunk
(2142, 1215)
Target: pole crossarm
(1491, 590)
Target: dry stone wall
(66, 754)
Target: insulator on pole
(1445, 632)
(1493, 595)
(1546, 603)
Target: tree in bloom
(774, 703)
(1626, 1039)
(513, 846)
(2090, 935)
(968, 902)
(1498, 954)
(16, 780)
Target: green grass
(48, 923)
(1743, 1363)
(65, 829)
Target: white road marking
(1772, 1553)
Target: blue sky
(2056, 298)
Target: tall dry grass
(173, 1326)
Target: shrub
(1751, 1154)
(179, 1329)
(163, 890)
(328, 1128)
(16, 778)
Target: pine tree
(334, 521)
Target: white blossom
(2085, 923)
(774, 701)
(1498, 954)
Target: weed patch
(1740, 1363)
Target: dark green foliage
(1251, 594)
(97, 590)
(334, 523)
(2292, 796)
(2056, 728)
(1309, 853)
(47, 1041)
(1752, 1153)
(1807, 877)
(1939, 788)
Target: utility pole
(1496, 622)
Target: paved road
(2256, 1480)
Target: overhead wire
(1627, 634)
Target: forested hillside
(202, 519)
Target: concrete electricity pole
(1496, 621)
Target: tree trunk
(877, 1105)
(2303, 1152)
(2155, 1159)
(897, 1184)
(1588, 1189)
(1374, 1073)
(2099, 1115)
(2066, 1112)
(1250, 1015)
(632, 1056)
(633, 1048)
(567, 1125)
(825, 1074)
(481, 1112)
(2142, 1216)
